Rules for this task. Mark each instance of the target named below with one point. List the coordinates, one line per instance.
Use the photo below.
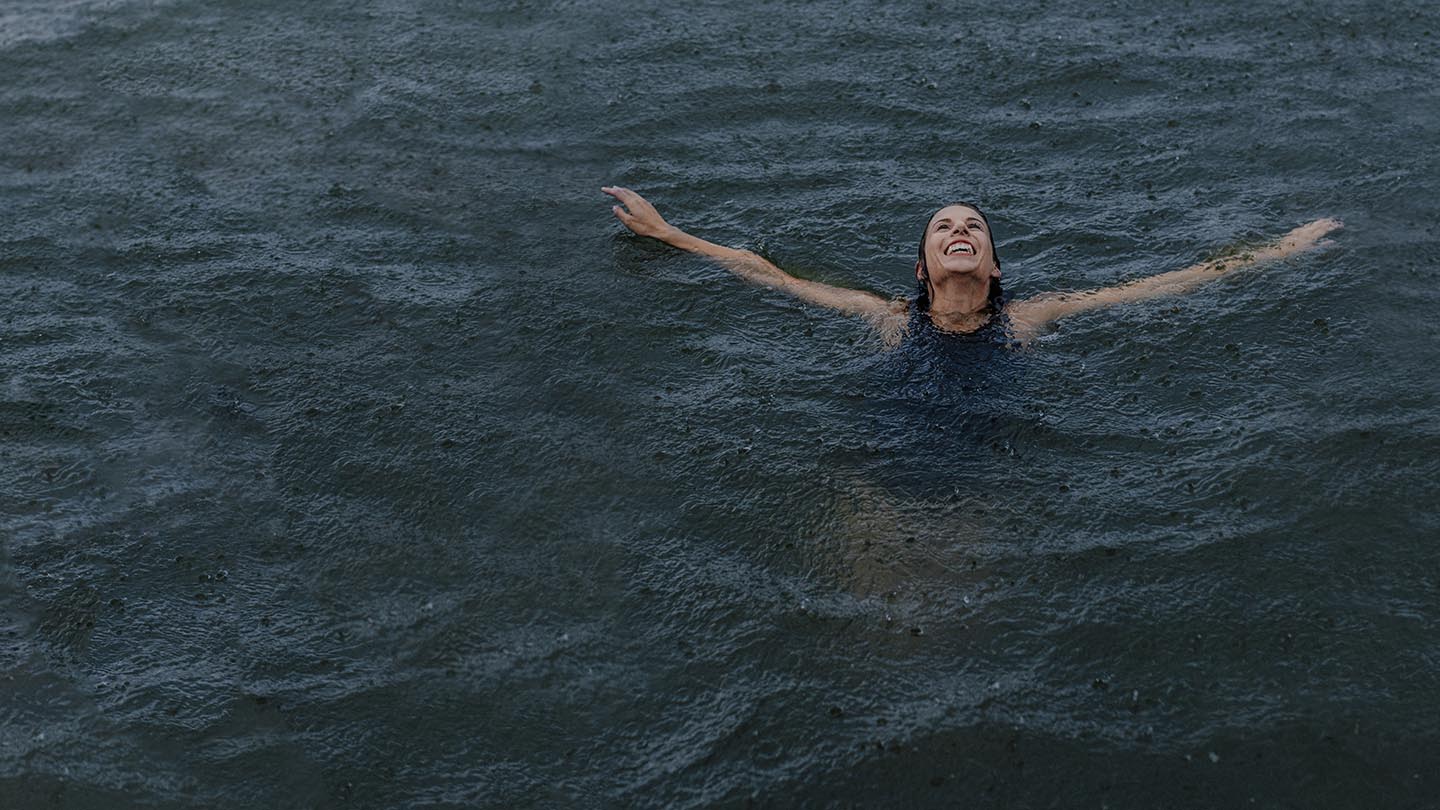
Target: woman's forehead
(955, 212)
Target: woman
(957, 272)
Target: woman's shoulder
(1027, 318)
(893, 323)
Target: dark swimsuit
(935, 401)
(954, 351)
(938, 398)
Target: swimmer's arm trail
(1034, 314)
(642, 218)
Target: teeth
(960, 247)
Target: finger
(622, 215)
(627, 196)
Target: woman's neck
(962, 303)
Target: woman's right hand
(642, 218)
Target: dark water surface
(354, 457)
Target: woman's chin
(962, 266)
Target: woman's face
(957, 242)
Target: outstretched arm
(1032, 315)
(640, 216)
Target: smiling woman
(964, 291)
(958, 274)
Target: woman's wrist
(675, 237)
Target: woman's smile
(960, 246)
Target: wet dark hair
(996, 297)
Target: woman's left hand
(1308, 236)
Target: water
(353, 456)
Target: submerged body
(958, 273)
